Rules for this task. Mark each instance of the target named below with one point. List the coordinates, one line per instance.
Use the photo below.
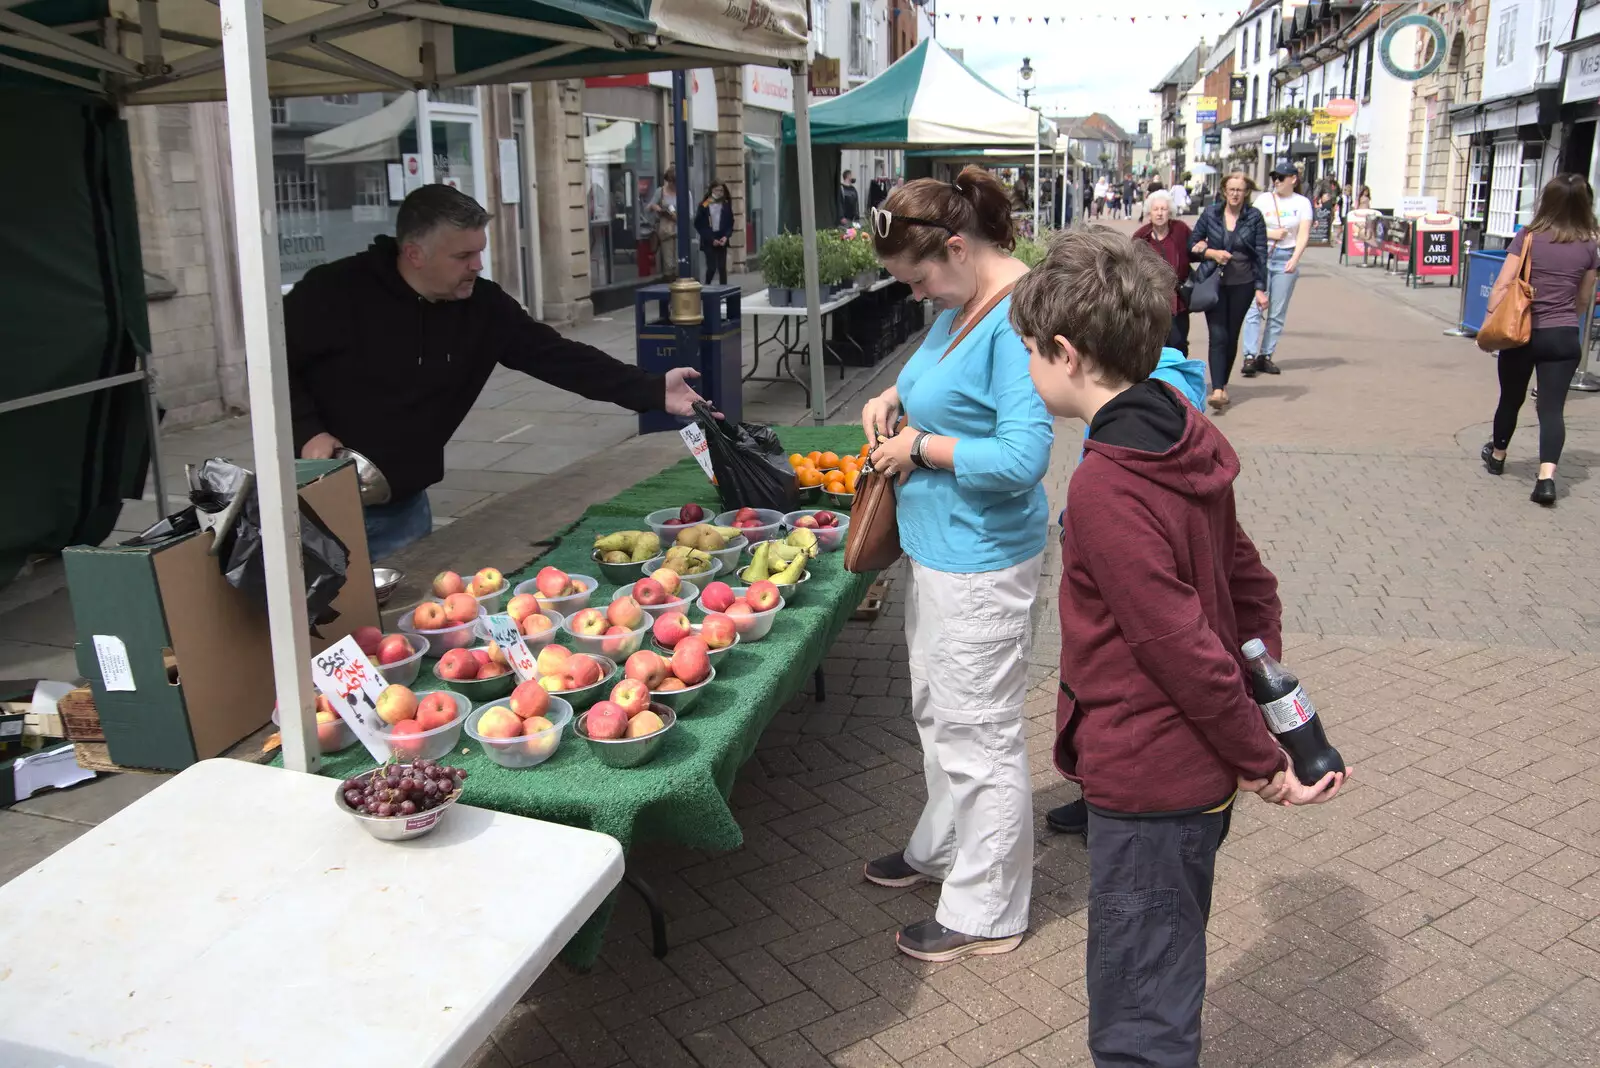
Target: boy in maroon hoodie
(1159, 589)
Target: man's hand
(320, 447)
(681, 396)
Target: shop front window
(761, 191)
(622, 171)
(330, 164)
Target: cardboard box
(188, 656)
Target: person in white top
(1102, 189)
(1288, 216)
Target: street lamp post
(1025, 76)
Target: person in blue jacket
(714, 223)
(1188, 377)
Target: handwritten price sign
(352, 685)
(506, 635)
(695, 438)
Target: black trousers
(1178, 335)
(716, 263)
(1224, 323)
(1552, 353)
(1149, 900)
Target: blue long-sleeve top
(990, 512)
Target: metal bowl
(624, 752)
(610, 673)
(680, 701)
(617, 574)
(714, 654)
(395, 828)
(374, 486)
(384, 581)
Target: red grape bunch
(403, 789)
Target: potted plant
(863, 257)
(782, 260)
(835, 270)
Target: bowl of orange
(809, 477)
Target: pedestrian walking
(714, 223)
(1129, 190)
(1232, 234)
(1088, 200)
(663, 213)
(1180, 199)
(1159, 588)
(1171, 240)
(1364, 198)
(1288, 218)
(973, 519)
(1102, 190)
(849, 200)
(1561, 242)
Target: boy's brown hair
(1108, 295)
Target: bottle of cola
(1290, 715)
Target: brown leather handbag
(873, 542)
(1510, 325)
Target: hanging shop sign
(1433, 52)
(1238, 87)
(1340, 107)
(1205, 109)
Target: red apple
(826, 519)
(541, 735)
(718, 631)
(536, 624)
(522, 606)
(742, 614)
(625, 612)
(648, 667)
(806, 522)
(457, 664)
(368, 639)
(436, 710)
(430, 616)
(607, 720)
(649, 591)
(480, 655)
(591, 623)
(763, 596)
(552, 660)
(691, 513)
(396, 703)
(447, 582)
(497, 655)
(644, 724)
(460, 608)
(632, 695)
(499, 722)
(620, 641)
(530, 699)
(670, 628)
(394, 647)
(716, 597)
(580, 671)
(675, 523)
(670, 683)
(489, 580)
(551, 582)
(400, 744)
(690, 661)
(671, 582)
(491, 670)
(327, 729)
(746, 515)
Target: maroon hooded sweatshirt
(1159, 589)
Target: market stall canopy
(172, 51)
(372, 138)
(927, 97)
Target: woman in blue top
(973, 519)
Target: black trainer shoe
(1267, 367)
(1544, 492)
(1071, 818)
(1249, 367)
(932, 941)
(893, 870)
(1493, 466)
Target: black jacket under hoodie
(392, 375)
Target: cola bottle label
(1289, 712)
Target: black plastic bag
(226, 492)
(751, 467)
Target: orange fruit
(796, 460)
(850, 482)
(815, 458)
(866, 451)
(810, 476)
(829, 460)
(834, 485)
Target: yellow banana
(792, 573)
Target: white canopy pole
(261, 301)
(808, 237)
(1038, 231)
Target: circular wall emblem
(1433, 50)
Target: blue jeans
(393, 526)
(1280, 287)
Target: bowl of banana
(619, 555)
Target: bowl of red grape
(400, 801)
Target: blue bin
(1483, 267)
(720, 356)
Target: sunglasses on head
(883, 219)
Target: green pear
(759, 568)
(791, 574)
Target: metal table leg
(658, 918)
(822, 685)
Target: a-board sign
(1322, 226)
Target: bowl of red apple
(719, 633)
(537, 626)
(421, 724)
(830, 527)
(398, 657)
(448, 624)
(663, 591)
(523, 731)
(616, 631)
(481, 673)
(753, 609)
(557, 591)
(619, 740)
(756, 524)
(580, 679)
(488, 587)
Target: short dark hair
(849, 174)
(426, 209)
(1108, 295)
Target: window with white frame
(1258, 43)
(1528, 183)
(278, 111)
(1255, 96)
(1478, 169)
(1366, 84)
(1541, 36)
(819, 26)
(1505, 38)
(1504, 182)
(858, 41)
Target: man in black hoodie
(389, 349)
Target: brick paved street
(1446, 910)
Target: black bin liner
(751, 467)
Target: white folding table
(233, 916)
(790, 337)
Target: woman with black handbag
(1232, 235)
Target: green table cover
(681, 795)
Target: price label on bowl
(344, 675)
(503, 629)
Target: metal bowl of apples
(557, 591)
(675, 678)
(756, 524)
(481, 673)
(615, 632)
(614, 741)
(448, 625)
(424, 725)
(564, 674)
(698, 630)
(752, 624)
(514, 740)
(829, 527)
(658, 600)
(666, 522)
